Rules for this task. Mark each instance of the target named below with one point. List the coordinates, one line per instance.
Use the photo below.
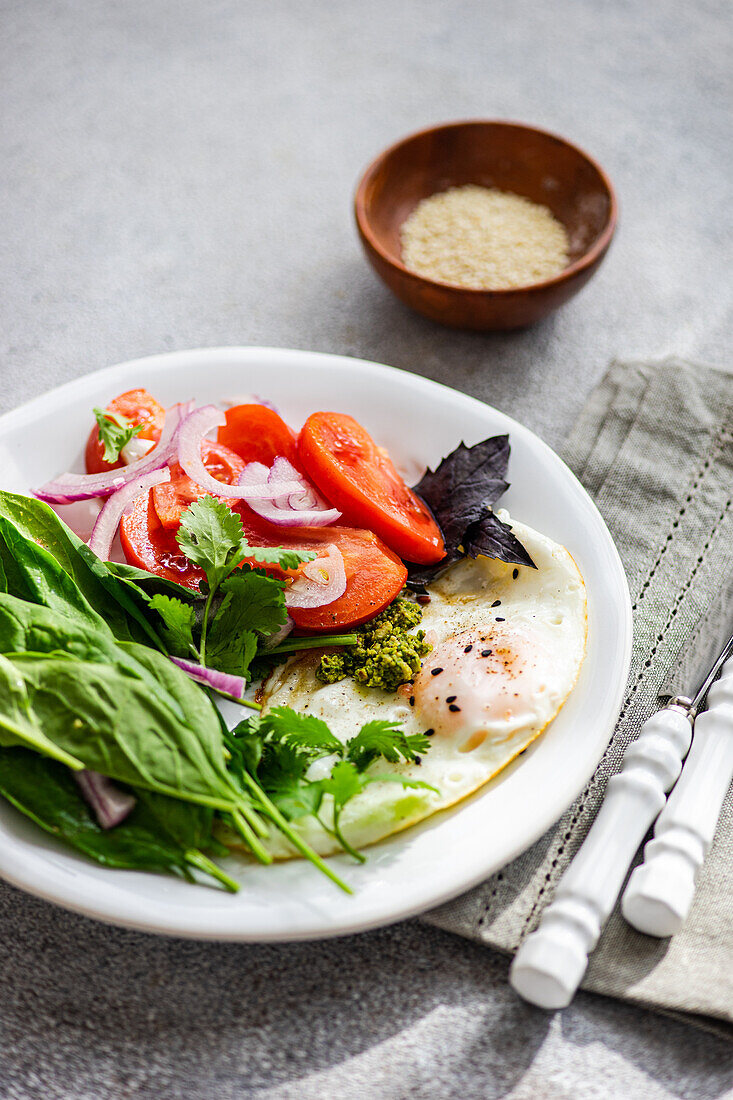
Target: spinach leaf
(26, 627)
(148, 584)
(27, 525)
(35, 575)
(155, 837)
(123, 730)
(18, 724)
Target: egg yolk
(483, 683)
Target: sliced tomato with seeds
(139, 407)
(257, 434)
(359, 479)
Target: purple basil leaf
(419, 576)
(493, 538)
(460, 493)
(481, 469)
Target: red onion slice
(305, 508)
(321, 581)
(108, 519)
(279, 635)
(219, 681)
(190, 436)
(111, 805)
(70, 487)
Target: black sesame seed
(468, 649)
(429, 733)
(412, 700)
(496, 603)
(485, 652)
(435, 671)
(515, 574)
(499, 619)
(451, 699)
(453, 707)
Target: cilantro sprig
(243, 605)
(276, 751)
(252, 605)
(115, 432)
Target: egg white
(509, 641)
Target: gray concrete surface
(180, 174)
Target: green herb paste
(386, 654)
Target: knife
(552, 960)
(659, 894)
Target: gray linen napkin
(654, 447)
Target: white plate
(419, 421)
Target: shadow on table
(82, 995)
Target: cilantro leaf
(115, 431)
(231, 653)
(303, 732)
(253, 607)
(295, 797)
(211, 536)
(253, 601)
(277, 555)
(383, 738)
(244, 745)
(344, 782)
(179, 619)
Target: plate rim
(55, 885)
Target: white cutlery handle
(550, 963)
(660, 891)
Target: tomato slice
(258, 434)
(149, 545)
(138, 406)
(359, 479)
(172, 497)
(374, 574)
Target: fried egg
(508, 642)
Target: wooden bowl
(530, 162)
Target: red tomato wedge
(172, 497)
(258, 434)
(359, 479)
(139, 407)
